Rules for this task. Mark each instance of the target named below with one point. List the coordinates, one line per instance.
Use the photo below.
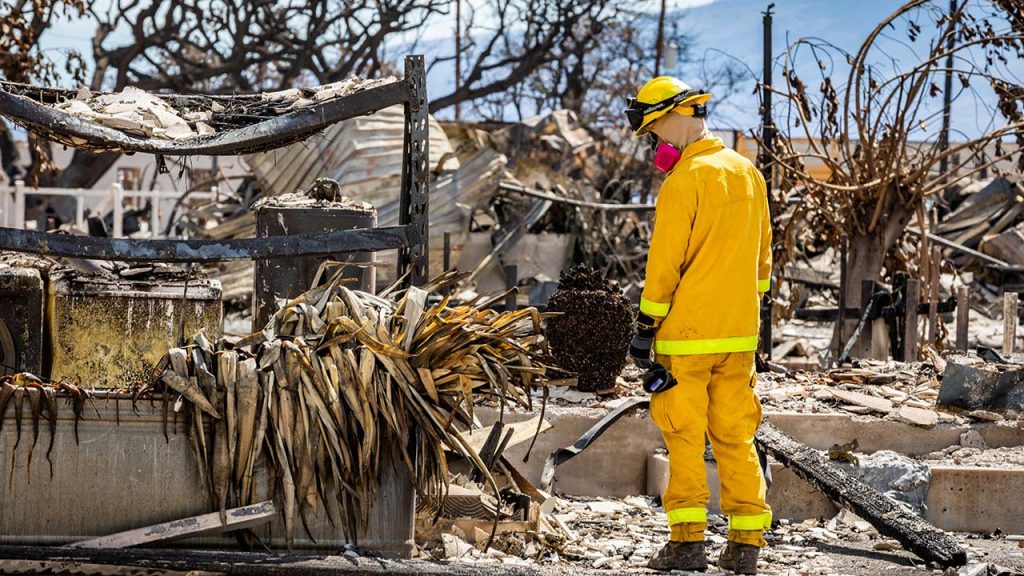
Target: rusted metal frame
(323, 244)
(272, 133)
(414, 259)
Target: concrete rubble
(621, 535)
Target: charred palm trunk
(867, 253)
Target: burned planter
(111, 333)
(591, 335)
(21, 321)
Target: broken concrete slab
(859, 399)
(789, 496)
(916, 416)
(985, 386)
(899, 477)
(984, 416)
(615, 465)
(973, 439)
(972, 499)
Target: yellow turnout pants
(714, 396)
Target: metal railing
(12, 203)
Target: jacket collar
(701, 146)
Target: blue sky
(730, 26)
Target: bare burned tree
(863, 150)
(245, 46)
(511, 40)
(22, 24)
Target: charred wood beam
(888, 517)
(128, 250)
(829, 314)
(991, 261)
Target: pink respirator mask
(666, 156)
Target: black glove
(640, 347)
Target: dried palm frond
(340, 378)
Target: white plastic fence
(12, 203)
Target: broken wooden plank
(963, 317)
(1010, 320)
(202, 525)
(521, 432)
(462, 502)
(477, 531)
(888, 517)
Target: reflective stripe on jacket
(710, 256)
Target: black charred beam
(70, 130)
(128, 250)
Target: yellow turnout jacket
(710, 257)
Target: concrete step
(960, 498)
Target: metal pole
(511, 281)
(933, 291)
(768, 137)
(841, 317)
(447, 251)
(660, 40)
(947, 97)
(458, 55)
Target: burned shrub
(591, 335)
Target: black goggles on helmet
(636, 111)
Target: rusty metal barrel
(288, 277)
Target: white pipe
(5, 208)
(19, 204)
(80, 211)
(117, 198)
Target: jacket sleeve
(764, 261)
(673, 223)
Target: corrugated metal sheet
(361, 153)
(365, 156)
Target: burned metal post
(768, 135)
(913, 298)
(414, 259)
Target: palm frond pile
(339, 378)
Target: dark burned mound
(591, 337)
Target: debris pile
(177, 117)
(591, 333)
(623, 534)
(340, 377)
(137, 112)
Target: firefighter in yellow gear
(708, 267)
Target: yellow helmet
(660, 95)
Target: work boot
(739, 558)
(680, 556)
